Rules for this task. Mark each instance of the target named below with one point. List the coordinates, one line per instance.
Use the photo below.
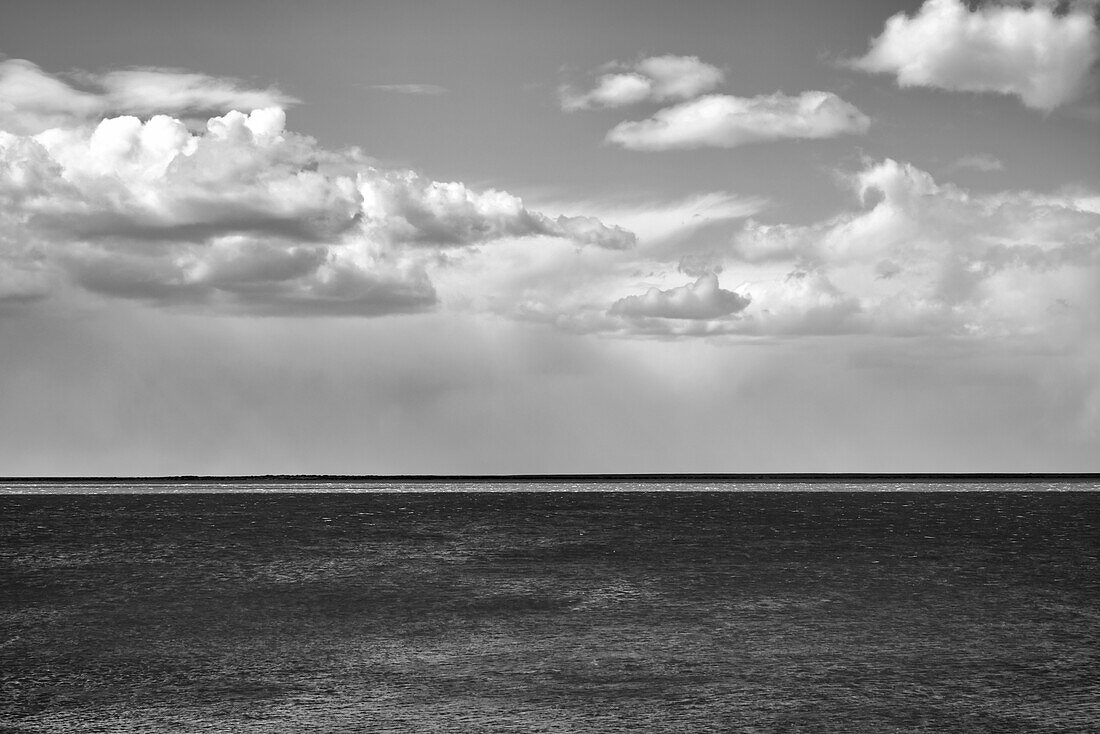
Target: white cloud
(654, 79)
(1034, 53)
(402, 206)
(678, 231)
(679, 77)
(32, 100)
(702, 300)
(150, 91)
(242, 215)
(930, 258)
(573, 288)
(588, 231)
(415, 89)
(915, 257)
(725, 121)
(979, 162)
(611, 90)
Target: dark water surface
(551, 612)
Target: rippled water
(457, 611)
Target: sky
(496, 237)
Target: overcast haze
(499, 237)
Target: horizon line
(647, 477)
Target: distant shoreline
(759, 478)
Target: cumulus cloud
(1031, 52)
(923, 257)
(241, 214)
(654, 79)
(402, 206)
(701, 300)
(724, 121)
(31, 100)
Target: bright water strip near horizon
(287, 612)
(130, 486)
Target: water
(457, 611)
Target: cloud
(804, 303)
(912, 258)
(402, 206)
(665, 226)
(156, 181)
(654, 79)
(1033, 53)
(724, 121)
(416, 89)
(701, 300)
(589, 231)
(32, 100)
(929, 258)
(573, 288)
(979, 162)
(262, 277)
(798, 304)
(149, 91)
(239, 215)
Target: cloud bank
(914, 257)
(724, 121)
(240, 214)
(930, 258)
(654, 79)
(1033, 53)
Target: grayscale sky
(495, 237)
